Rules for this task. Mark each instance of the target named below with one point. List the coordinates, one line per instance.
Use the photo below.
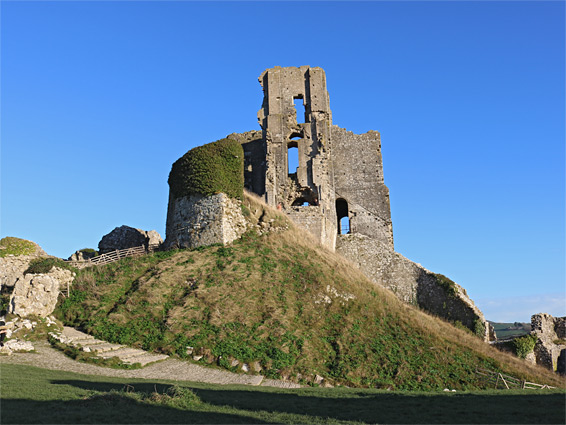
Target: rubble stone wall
(358, 179)
(411, 282)
(198, 220)
(37, 294)
(285, 127)
(550, 349)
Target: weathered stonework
(550, 349)
(284, 128)
(124, 237)
(359, 184)
(411, 282)
(12, 269)
(36, 294)
(198, 220)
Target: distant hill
(285, 307)
(510, 330)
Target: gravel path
(47, 357)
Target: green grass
(32, 395)
(16, 246)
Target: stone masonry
(198, 220)
(550, 349)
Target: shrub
(446, 284)
(524, 345)
(209, 169)
(16, 246)
(44, 265)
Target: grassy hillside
(286, 307)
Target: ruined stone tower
(306, 195)
(339, 174)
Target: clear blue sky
(100, 98)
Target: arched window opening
(342, 216)
(292, 157)
(300, 108)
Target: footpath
(155, 366)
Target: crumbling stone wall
(37, 294)
(283, 128)
(358, 179)
(124, 237)
(412, 283)
(198, 220)
(255, 153)
(550, 349)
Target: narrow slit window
(292, 159)
(300, 108)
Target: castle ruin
(336, 192)
(339, 174)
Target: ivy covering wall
(213, 168)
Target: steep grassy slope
(283, 304)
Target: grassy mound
(209, 169)
(286, 307)
(16, 246)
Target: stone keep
(339, 173)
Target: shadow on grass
(371, 407)
(108, 409)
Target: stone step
(145, 359)
(84, 341)
(103, 348)
(108, 350)
(122, 353)
(73, 333)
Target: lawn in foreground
(33, 395)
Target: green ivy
(213, 168)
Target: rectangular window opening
(300, 108)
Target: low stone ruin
(124, 237)
(550, 348)
(31, 294)
(37, 294)
(82, 255)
